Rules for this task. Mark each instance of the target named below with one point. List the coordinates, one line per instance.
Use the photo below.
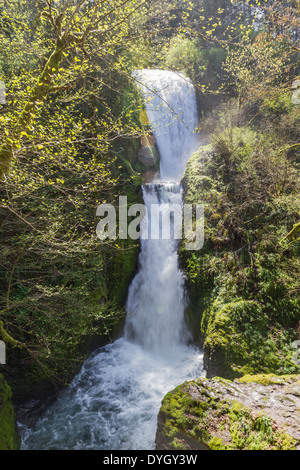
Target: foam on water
(113, 403)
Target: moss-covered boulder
(230, 350)
(9, 438)
(259, 412)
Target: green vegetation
(69, 142)
(9, 439)
(70, 131)
(74, 142)
(201, 413)
(244, 282)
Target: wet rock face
(148, 156)
(255, 412)
(150, 176)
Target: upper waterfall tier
(171, 106)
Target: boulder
(148, 156)
(150, 176)
(250, 413)
(148, 140)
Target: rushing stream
(114, 401)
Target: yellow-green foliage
(63, 288)
(184, 55)
(265, 379)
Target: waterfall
(171, 106)
(114, 401)
(156, 304)
(156, 301)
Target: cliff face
(243, 303)
(251, 413)
(9, 438)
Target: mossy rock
(9, 438)
(196, 179)
(251, 413)
(242, 285)
(123, 264)
(224, 345)
(122, 272)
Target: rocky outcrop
(242, 303)
(148, 156)
(150, 176)
(9, 438)
(251, 413)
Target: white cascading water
(155, 306)
(114, 401)
(171, 107)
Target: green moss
(265, 379)
(242, 285)
(218, 422)
(216, 443)
(286, 442)
(236, 407)
(179, 445)
(124, 264)
(9, 439)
